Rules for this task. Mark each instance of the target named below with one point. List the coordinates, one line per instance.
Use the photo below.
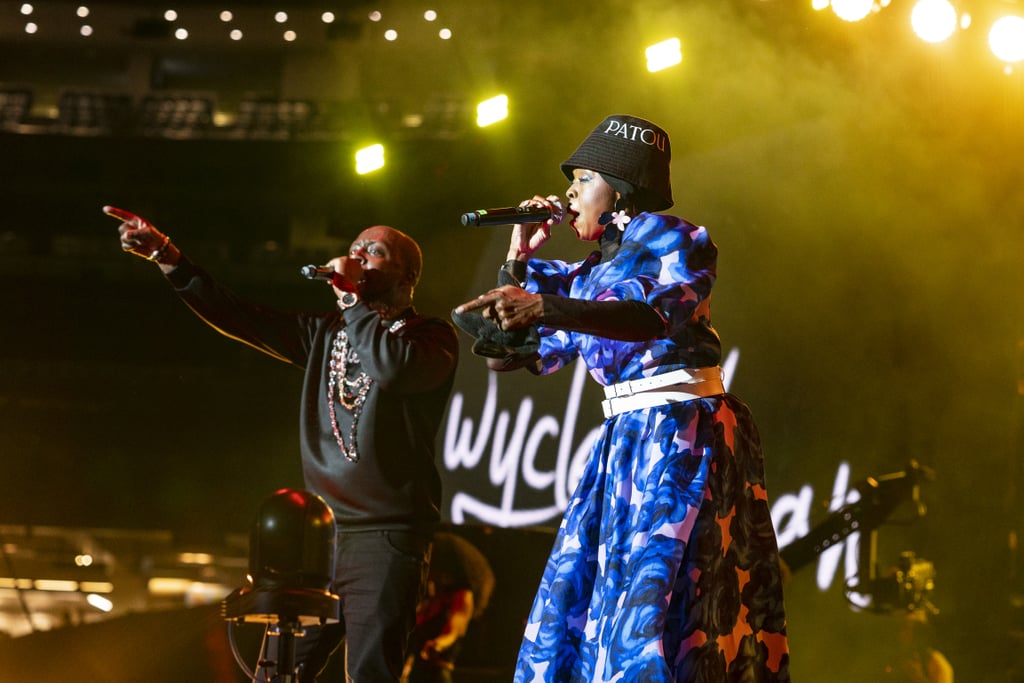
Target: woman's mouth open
(573, 215)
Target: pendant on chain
(351, 393)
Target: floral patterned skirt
(666, 566)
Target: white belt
(677, 386)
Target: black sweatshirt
(395, 483)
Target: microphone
(326, 274)
(512, 214)
(318, 273)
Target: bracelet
(158, 253)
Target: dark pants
(379, 576)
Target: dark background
(864, 189)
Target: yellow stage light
(56, 585)
(664, 54)
(492, 110)
(96, 586)
(1006, 38)
(933, 20)
(369, 159)
(852, 10)
(99, 602)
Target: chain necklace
(351, 393)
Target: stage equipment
(908, 584)
(291, 568)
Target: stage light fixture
(491, 111)
(195, 558)
(99, 602)
(96, 586)
(933, 20)
(852, 10)
(168, 585)
(664, 54)
(1006, 38)
(55, 585)
(369, 159)
(291, 569)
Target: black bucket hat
(631, 149)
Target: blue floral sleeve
(665, 261)
(682, 291)
(557, 348)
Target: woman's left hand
(510, 307)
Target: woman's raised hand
(528, 237)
